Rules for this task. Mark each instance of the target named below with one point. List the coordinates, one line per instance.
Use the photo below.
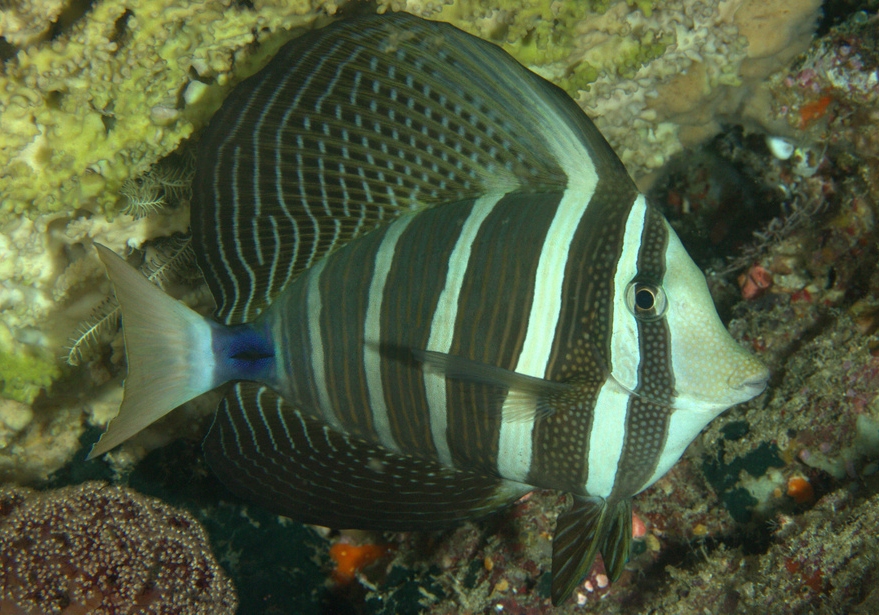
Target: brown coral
(104, 550)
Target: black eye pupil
(644, 299)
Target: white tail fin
(169, 350)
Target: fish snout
(752, 380)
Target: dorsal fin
(350, 126)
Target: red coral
(815, 110)
(755, 282)
(349, 559)
(105, 550)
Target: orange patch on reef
(755, 282)
(800, 490)
(814, 110)
(639, 528)
(350, 559)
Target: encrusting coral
(25, 23)
(654, 76)
(122, 88)
(106, 99)
(89, 103)
(98, 549)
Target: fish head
(670, 345)
(712, 371)
(670, 348)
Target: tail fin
(169, 349)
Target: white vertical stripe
(384, 258)
(514, 446)
(609, 423)
(318, 361)
(606, 439)
(442, 327)
(624, 350)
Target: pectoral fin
(527, 398)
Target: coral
(14, 417)
(349, 559)
(24, 370)
(654, 76)
(23, 22)
(102, 549)
(838, 77)
(102, 102)
(822, 562)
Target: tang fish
(437, 289)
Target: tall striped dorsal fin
(350, 126)
(270, 452)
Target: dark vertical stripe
(648, 417)
(493, 311)
(412, 289)
(344, 286)
(581, 351)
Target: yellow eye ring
(646, 300)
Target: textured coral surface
(102, 549)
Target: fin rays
(399, 114)
(587, 528)
(168, 346)
(273, 453)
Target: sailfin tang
(169, 351)
(274, 453)
(356, 123)
(580, 534)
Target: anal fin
(271, 452)
(589, 526)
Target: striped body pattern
(437, 289)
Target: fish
(437, 290)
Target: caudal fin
(169, 350)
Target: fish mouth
(755, 385)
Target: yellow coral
(24, 23)
(103, 102)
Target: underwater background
(753, 125)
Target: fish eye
(646, 300)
